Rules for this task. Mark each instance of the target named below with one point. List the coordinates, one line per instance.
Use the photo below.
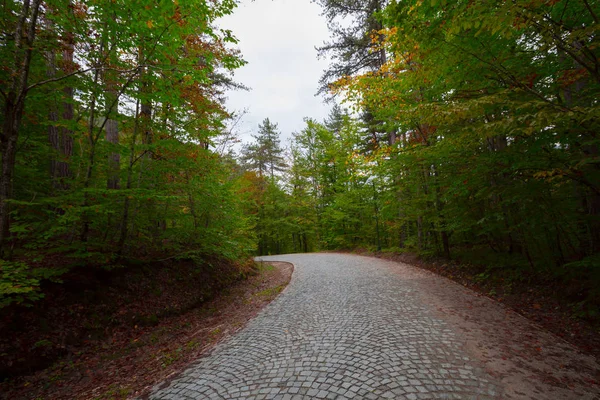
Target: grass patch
(270, 292)
(264, 267)
(115, 392)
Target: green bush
(20, 283)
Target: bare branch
(587, 5)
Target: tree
(353, 49)
(356, 49)
(339, 181)
(471, 89)
(110, 105)
(18, 54)
(265, 155)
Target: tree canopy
(477, 137)
(107, 122)
(471, 132)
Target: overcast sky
(278, 39)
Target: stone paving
(346, 327)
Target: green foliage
(265, 200)
(493, 111)
(477, 135)
(114, 155)
(490, 116)
(326, 200)
(20, 283)
(265, 155)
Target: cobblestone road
(350, 327)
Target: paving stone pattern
(344, 328)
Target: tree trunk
(112, 137)
(13, 111)
(125, 219)
(61, 138)
(91, 161)
(66, 134)
(420, 233)
(112, 124)
(53, 130)
(573, 96)
(9, 151)
(446, 244)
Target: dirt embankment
(547, 303)
(115, 334)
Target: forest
(106, 138)
(458, 130)
(471, 134)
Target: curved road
(351, 327)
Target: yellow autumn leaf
(149, 23)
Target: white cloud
(278, 39)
